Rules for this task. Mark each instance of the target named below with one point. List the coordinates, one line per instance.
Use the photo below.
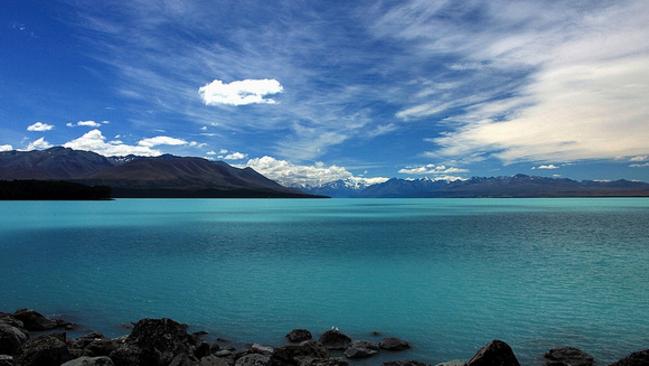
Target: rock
(183, 359)
(298, 335)
(223, 353)
(310, 361)
(10, 320)
(132, 355)
(11, 339)
(335, 339)
(253, 359)
(90, 361)
(292, 354)
(496, 353)
(452, 363)
(86, 339)
(202, 350)
(35, 321)
(404, 363)
(164, 335)
(6, 360)
(361, 349)
(394, 344)
(212, 360)
(44, 351)
(640, 358)
(568, 356)
(263, 350)
(100, 347)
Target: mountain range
(519, 185)
(174, 176)
(133, 176)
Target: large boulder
(293, 354)
(361, 349)
(394, 344)
(253, 359)
(496, 353)
(11, 339)
(404, 363)
(90, 361)
(640, 358)
(35, 321)
(298, 335)
(164, 335)
(335, 340)
(100, 347)
(568, 356)
(45, 351)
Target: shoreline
(28, 338)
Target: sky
(309, 91)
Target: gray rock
(310, 361)
(334, 339)
(212, 360)
(223, 353)
(45, 351)
(298, 335)
(640, 358)
(90, 361)
(394, 344)
(6, 360)
(496, 353)
(404, 363)
(568, 356)
(11, 339)
(264, 350)
(292, 354)
(183, 359)
(361, 349)
(253, 359)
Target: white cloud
(234, 156)
(242, 92)
(6, 148)
(545, 167)
(95, 141)
(39, 144)
(197, 144)
(640, 158)
(161, 140)
(39, 127)
(586, 77)
(432, 169)
(289, 174)
(92, 124)
(382, 130)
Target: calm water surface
(446, 274)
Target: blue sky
(307, 92)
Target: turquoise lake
(446, 274)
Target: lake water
(446, 274)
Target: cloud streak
(241, 92)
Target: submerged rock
(496, 353)
(90, 361)
(568, 356)
(11, 339)
(394, 344)
(361, 349)
(45, 351)
(335, 340)
(298, 335)
(35, 321)
(640, 358)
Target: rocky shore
(27, 338)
